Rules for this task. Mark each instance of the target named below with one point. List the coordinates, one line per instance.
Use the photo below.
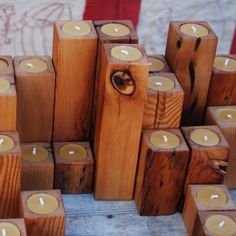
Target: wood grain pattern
(9, 70)
(43, 225)
(160, 177)
(74, 176)
(161, 58)
(19, 223)
(207, 164)
(8, 103)
(192, 66)
(118, 126)
(163, 109)
(35, 101)
(10, 175)
(74, 59)
(37, 175)
(223, 83)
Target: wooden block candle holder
(43, 212)
(158, 63)
(74, 167)
(74, 57)
(164, 104)
(37, 166)
(10, 163)
(209, 155)
(213, 223)
(12, 227)
(120, 104)
(7, 103)
(6, 65)
(204, 198)
(186, 49)
(162, 167)
(225, 118)
(35, 80)
(223, 81)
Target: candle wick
(214, 196)
(194, 28)
(226, 61)
(158, 83)
(30, 65)
(71, 152)
(34, 151)
(229, 116)
(4, 232)
(116, 30)
(205, 137)
(41, 201)
(221, 224)
(77, 27)
(165, 138)
(1, 141)
(124, 52)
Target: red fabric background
(233, 47)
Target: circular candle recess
(194, 30)
(164, 139)
(9, 229)
(225, 63)
(212, 197)
(4, 85)
(227, 115)
(126, 53)
(6, 143)
(205, 137)
(76, 28)
(73, 152)
(34, 153)
(33, 65)
(42, 203)
(117, 30)
(160, 83)
(155, 64)
(220, 225)
(3, 65)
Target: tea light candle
(205, 137)
(220, 225)
(212, 197)
(73, 152)
(164, 139)
(34, 153)
(126, 53)
(3, 65)
(160, 83)
(114, 29)
(42, 203)
(76, 28)
(225, 63)
(9, 229)
(6, 143)
(194, 30)
(155, 64)
(227, 115)
(4, 85)
(33, 65)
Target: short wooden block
(13, 227)
(10, 166)
(164, 104)
(73, 174)
(161, 174)
(209, 154)
(7, 103)
(120, 104)
(6, 65)
(37, 166)
(213, 223)
(158, 63)
(74, 57)
(191, 64)
(225, 118)
(34, 208)
(201, 198)
(222, 90)
(35, 80)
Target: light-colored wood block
(6, 65)
(15, 226)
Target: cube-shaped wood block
(13, 227)
(6, 65)
(158, 63)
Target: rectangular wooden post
(157, 64)
(6, 65)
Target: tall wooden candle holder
(120, 104)
(12, 227)
(187, 44)
(37, 167)
(164, 104)
(10, 162)
(209, 155)
(223, 81)
(74, 56)
(43, 212)
(7, 103)
(74, 167)
(6, 65)
(157, 64)
(35, 80)
(204, 198)
(225, 118)
(162, 167)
